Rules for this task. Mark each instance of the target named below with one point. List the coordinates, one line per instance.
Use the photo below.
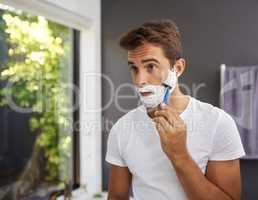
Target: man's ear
(180, 66)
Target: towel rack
(222, 74)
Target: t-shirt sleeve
(226, 144)
(114, 155)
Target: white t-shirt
(134, 142)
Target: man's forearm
(112, 197)
(194, 183)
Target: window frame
(76, 113)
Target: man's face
(148, 65)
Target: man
(173, 147)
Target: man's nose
(141, 79)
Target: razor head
(171, 79)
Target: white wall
(90, 139)
(88, 8)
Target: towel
(239, 97)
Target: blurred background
(64, 82)
(213, 33)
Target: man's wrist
(180, 160)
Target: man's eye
(134, 69)
(150, 67)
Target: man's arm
(222, 180)
(226, 175)
(119, 183)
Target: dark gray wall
(214, 32)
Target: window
(38, 105)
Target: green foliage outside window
(37, 70)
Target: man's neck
(178, 100)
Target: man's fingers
(167, 127)
(167, 115)
(173, 111)
(160, 129)
(171, 116)
(166, 107)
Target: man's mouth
(146, 93)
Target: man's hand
(172, 132)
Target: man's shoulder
(213, 114)
(208, 111)
(130, 115)
(127, 120)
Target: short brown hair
(162, 33)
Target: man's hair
(163, 33)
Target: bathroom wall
(214, 32)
